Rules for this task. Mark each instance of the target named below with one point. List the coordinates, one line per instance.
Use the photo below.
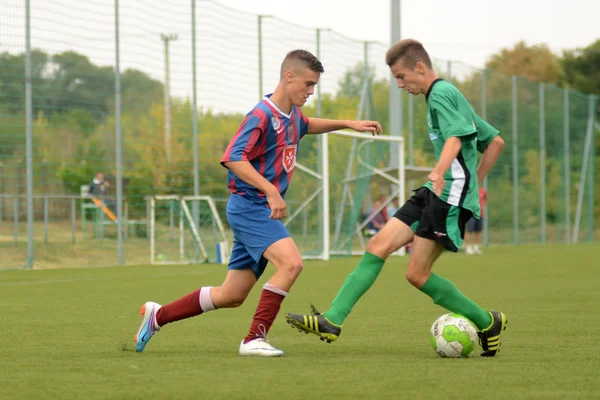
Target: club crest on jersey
(290, 133)
(276, 123)
(289, 158)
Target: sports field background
(63, 333)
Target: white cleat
(148, 326)
(469, 250)
(259, 347)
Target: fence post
(396, 109)
(1, 188)
(149, 216)
(260, 56)
(591, 177)
(126, 220)
(45, 220)
(16, 219)
(515, 160)
(172, 221)
(73, 220)
(542, 163)
(567, 165)
(196, 156)
(118, 141)
(44, 176)
(28, 134)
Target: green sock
(355, 285)
(445, 294)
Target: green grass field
(62, 333)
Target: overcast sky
(465, 31)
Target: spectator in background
(99, 186)
(99, 189)
(378, 221)
(475, 226)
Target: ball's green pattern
(467, 343)
(453, 335)
(450, 333)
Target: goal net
(186, 229)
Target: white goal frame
(187, 214)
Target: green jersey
(450, 114)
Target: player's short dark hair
(410, 51)
(304, 58)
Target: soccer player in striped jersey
(434, 218)
(260, 160)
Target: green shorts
(432, 218)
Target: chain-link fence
(149, 95)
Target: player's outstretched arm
(489, 157)
(247, 173)
(320, 125)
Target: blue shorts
(253, 233)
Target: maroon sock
(266, 311)
(188, 306)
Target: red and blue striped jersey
(268, 138)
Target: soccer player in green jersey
(434, 217)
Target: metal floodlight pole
(166, 39)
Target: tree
(12, 80)
(139, 91)
(72, 81)
(535, 63)
(582, 68)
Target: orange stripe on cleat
(143, 310)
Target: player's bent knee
(294, 267)
(416, 277)
(290, 268)
(380, 246)
(228, 297)
(234, 300)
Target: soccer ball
(453, 336)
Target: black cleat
(489, 338)
(315, 323)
